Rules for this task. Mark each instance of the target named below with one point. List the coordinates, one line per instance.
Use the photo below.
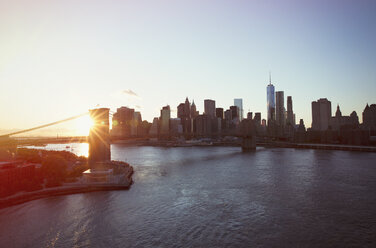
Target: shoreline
(58, 191)
(314, 146)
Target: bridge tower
(99, 139)
(247, 131)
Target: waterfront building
(270, 101)
(280, 108)
(209, 107)
(339, 121)
(238, 102)
(203, 125)
(121, 122)
(321, 113)
(369, 117)
(164, 120)
(176, 128)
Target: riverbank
(260, 144)
(67, 189)
(57, 191)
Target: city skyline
(122, 54)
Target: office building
(280, 109)
(164, 121)
(219, 113)
(321, 113)
(238, 102)
(290, 113)
(209, 107)
(270, 101)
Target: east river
(211, 197)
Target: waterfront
(211, 196)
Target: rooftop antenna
(270, 77)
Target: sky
(60, 58)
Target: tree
(54, 169)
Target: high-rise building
(321, 113)
(122, 121)
(181, 112)
(219, 113)
(153, 131)
(369, 117)
(280, 108)
(270, 101)
(249, 115)
(209, 106)
(165, 120)
(290, 113)
(257, 118)
(184, 114)
(238, 102)
(194, 113)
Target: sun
(83, 125)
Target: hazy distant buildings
(164, 120)
(209, 107)
(270, 101)
(238, 102)
(122, 122)
(154, 129)
(321, 114)
(249, 115)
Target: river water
(211, 197)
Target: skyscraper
(209, 107)
(270, 100)
(290, 113)
(321, 113)
(238, 102)
(280, 108)
(165, 120)
(219, 113)
(194, 113)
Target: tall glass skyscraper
(270, 100)
(238, 102)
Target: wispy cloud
(130, 93)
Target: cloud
(130, 93)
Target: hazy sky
(60, 58)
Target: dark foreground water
(212, 197)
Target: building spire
(270, 77)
